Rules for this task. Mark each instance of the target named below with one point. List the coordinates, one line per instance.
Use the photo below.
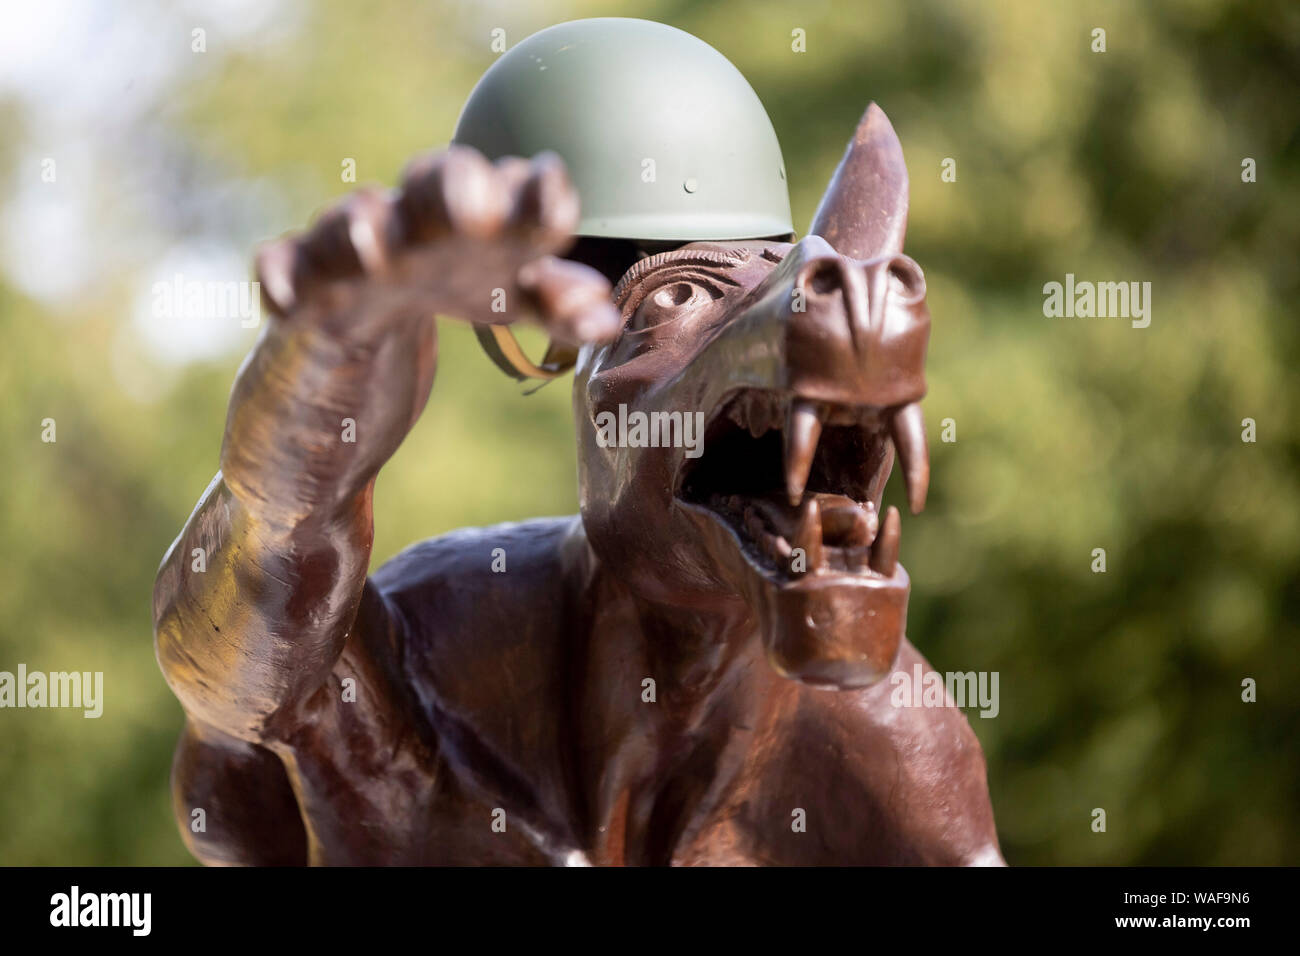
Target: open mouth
(799, 482)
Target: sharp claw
(275, 267)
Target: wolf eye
(676, 294)
(672, 299)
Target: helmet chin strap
(506, 354)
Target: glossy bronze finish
(689, 672)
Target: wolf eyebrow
(726, 258)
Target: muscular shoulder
(476, 592)
(486, 616)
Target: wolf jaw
(792, 489)
(799, 482)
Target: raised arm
(258, 594)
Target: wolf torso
(480, 716)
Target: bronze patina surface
(439, 712)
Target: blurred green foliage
(1119, 690)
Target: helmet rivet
(690, 185)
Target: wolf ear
(863, 213)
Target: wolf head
(804, 363)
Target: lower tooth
(884, 553)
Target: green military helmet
(664, 139)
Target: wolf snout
(835, 289)
(855, 331)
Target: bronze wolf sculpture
(688, 672)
